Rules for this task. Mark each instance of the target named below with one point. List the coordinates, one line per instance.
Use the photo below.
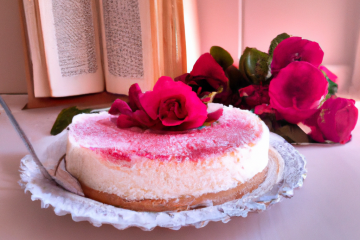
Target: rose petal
(297, 91)
(263, 108)
(197, 112)
(182, 78)
(214, 111)
(247, 91)
(226, 97)
(311, 122)
(255, 95)
(163, 88)
(172, 111)
(207, 76)
(120, 107)
(143, 119)
(180, 112)
(125, 121)
(208, 67)
(134, 94)
(331, 75)
(214, 116)
(295, 49)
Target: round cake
(146, 170)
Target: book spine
(168, 32)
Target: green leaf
(236, 80)
(64, 119)
(254, 65)
(292, 133)
(332, 87)
(276, 41)
(221, 56)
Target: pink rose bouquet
(285, 87)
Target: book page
(127, 45)
(72, 46)
(40, 78)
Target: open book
(86, 46)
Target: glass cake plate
(84, 209)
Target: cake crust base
(179, 204)
(184, 202)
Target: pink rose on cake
(334, 121)
(295, 49)
(170, 106)
(297, 90)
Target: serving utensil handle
(25, 139)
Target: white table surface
(326, 207)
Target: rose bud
(254, 66)
(334, 121)
(295, 49)
(297, 90)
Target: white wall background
(232, 24)
(12, 66)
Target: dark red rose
(297, 90)
(295, 49)
(170, 106)
(334, 121)
(254, 95)
(207, 76)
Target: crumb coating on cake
(142, 164)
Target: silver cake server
(60, 175)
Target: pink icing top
(99, 133)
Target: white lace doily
(84, 209)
